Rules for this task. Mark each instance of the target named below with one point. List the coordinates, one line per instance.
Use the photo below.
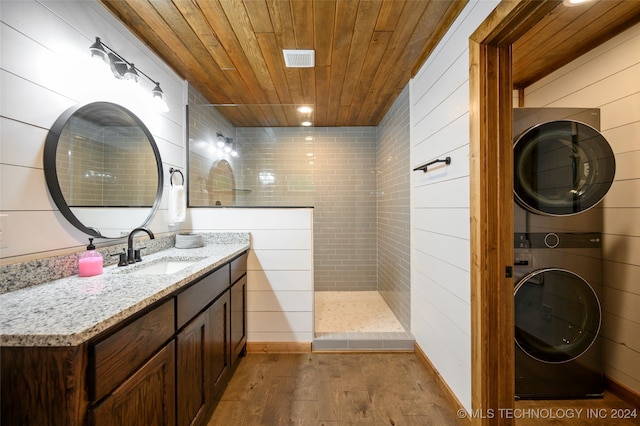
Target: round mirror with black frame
(103, 169)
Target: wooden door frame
(491, 185)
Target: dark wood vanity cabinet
(202, 351)
(165, 366)
(238, 307)
(120, 353)
(43, 386)
(132, 364)
(147, 397)
(238, 318)
(220, 330)
(193, 390)
(206, 350)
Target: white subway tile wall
(345, 209)
(355, 178)
(332, 170)
(393, 218)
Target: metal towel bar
(447, 161)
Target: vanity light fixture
(159, 98)
(131, 74)
(225, 145)
(97, 51)
(232, 148)
(221, 140)
(125, 70)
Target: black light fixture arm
(116, 59)
(424, 167)
(129, 64)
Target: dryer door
(562, 168)
(557, 315)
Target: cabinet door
(192, 363)
(238, 319)
(220, 354)
(197, 296)
(146, 398)
(116, 357)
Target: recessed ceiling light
(306, 123)
(571, 3)
(305, 109)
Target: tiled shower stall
(355, 178)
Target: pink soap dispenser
(90, 261)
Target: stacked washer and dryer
(563, 167)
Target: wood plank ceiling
(365, 51)
(231, 52)
(566, 33)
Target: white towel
(177, 204)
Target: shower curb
(364, 341)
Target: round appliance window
(557, 315)
(562, 168)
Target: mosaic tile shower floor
(357, 320)
(353, 311)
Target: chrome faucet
(133, 256)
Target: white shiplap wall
(280, 268)
(45, 69)
(608, 77)
(440, 242)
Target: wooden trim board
(491, 177)
(278, 347)
(622, 392)
(442, 384)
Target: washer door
(562, 168)
(557, 315)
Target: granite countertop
(70, 311)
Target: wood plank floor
(609, 411)
(332, 389)
(373, 389)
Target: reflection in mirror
(221, 184)
(103, 169)
(274, 167)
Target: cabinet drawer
(198, 296)
(145, 398)
(113, 359)
(238, 267)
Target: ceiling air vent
(299, 58)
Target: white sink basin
(162, 266)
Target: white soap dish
(185, 241)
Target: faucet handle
(123, 258)
(136, 254)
